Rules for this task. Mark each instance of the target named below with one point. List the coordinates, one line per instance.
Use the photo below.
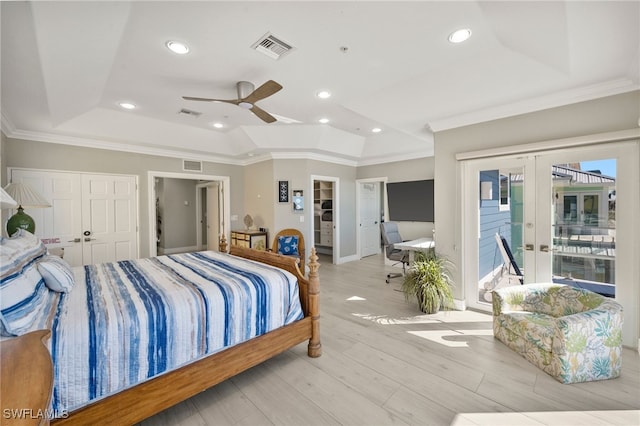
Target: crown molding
(558, 99)
(118, 146)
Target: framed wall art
(298, 200)
(283, 191)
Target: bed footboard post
(222, 246)
(315, 347)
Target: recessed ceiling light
(324, 120)
(177, 47)
(376, 130)
(323, 94)
(127, 105)
(218, 125)
(460, 35)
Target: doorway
(221, 215)
(325, 216)
(564, 216)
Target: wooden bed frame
(148, 398)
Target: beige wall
(179, 210)
(400, 171)
(298, 173)
(50, 156)
(608, 114)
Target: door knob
(544, 248)
(75, 240)
(528, 247)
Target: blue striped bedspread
(128, 321)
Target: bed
(195, 293)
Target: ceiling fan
(247, 98)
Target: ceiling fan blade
(262, 114)
(228, 101)
(267, 89)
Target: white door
(109, 210)
(213, 216)
(59, 226)
(93, 217)
(563, 221)
(369, 218)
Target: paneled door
(59, 226)
(93, 217)
(369, 218)
(109, 211)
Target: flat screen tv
(411, 201)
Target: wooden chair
(282, 242)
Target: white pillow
(23, 294)
(57, 273)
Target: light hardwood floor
(384, 363)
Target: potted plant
(429, 280)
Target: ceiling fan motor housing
(245, 88)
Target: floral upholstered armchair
(572, 334)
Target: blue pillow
(288, 244)
(57, 273)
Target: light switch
(301, 218)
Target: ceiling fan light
(245, 105)
(177, 47)
(458, 36)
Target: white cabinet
(323, 213)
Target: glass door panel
(584, 225)
(501, 225)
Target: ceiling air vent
(192, 113)
(272, 46)
(191, 166)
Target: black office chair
(390, 236)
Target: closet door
(92, 217)
(109, 225)
(59, 226)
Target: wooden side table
(250, 239)
(27, 380)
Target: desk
(420, 244)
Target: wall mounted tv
(411, 201)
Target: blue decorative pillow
(288, 244)
(57, 273)
(23, 294)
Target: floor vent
(191, 166)
(272, 46)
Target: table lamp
(6, 202)
(25, 196)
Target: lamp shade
(25, 195)
(6, 201)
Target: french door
(566, 216)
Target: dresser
(251, 239)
